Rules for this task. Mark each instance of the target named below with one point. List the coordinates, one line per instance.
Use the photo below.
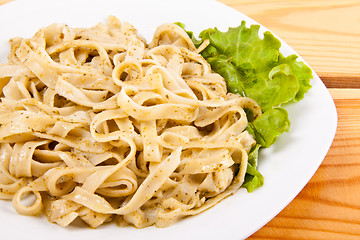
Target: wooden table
(326, 33)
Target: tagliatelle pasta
(99, 125)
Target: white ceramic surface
(286, 166)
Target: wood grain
(4, 1)
(328, 207)
(326, 33)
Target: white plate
(287, 166)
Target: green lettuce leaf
(301, 71)
(269, 126)
(253, 178)
(277, 87)
(242, 45)
(262, 72)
